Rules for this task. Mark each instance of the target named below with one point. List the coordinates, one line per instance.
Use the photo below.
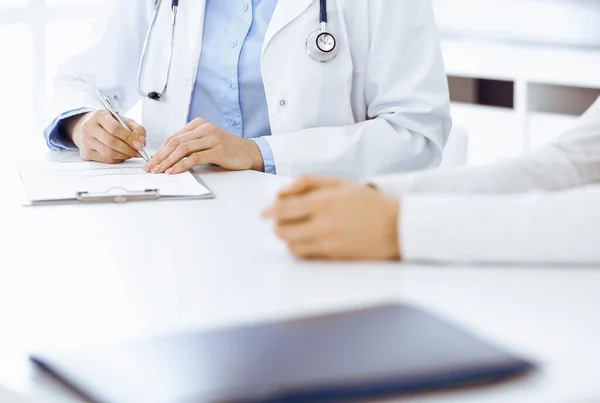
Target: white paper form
(63, 181)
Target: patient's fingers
(307, 184)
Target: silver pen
(115, 114)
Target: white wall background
(547, 51)
(558, 22)
(35, 36)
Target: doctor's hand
(200, 143)
(336, 220)
(101, 138)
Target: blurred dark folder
(357, 355)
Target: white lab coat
(381, 106)
(467, 215)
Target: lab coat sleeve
(558, 227)
(572, 161)
(109, 63)
(406, 91)
(55, 135)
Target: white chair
(456, 151)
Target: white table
(74, 275)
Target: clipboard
(89, 182)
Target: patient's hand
(334, 219)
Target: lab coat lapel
(188, 48)
(285, 12)
(170, 114)
(190, 35)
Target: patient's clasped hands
(325, 218)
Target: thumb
(136, 128)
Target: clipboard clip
(117, 195)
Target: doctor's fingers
(176, 151)
(193, 125)
(189, 128)
(109, 154)
(114, 143)
(199, 158)
(110, 124)
(193, 130)
(136, 128)
(90, 154)
(173, 142)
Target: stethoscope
(154, 95)
(321, 45)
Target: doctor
(339, 87)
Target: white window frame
(37, 15)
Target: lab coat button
(283, 103)
(246, 7)
(234, 43)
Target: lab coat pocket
(325, 89)
(304, 93)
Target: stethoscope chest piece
(321, 45)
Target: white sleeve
(110, 62)
(408, 118)
(573, 160)
(559, 227)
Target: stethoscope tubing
(323, 12)
(144, 57)
(174, 8)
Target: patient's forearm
(572, 161)
(561, 227)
